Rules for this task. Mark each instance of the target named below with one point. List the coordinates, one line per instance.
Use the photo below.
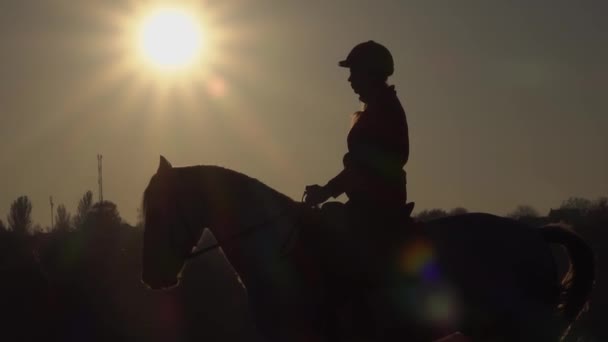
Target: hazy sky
(506, 100)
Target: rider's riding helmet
(371, 56)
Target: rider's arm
(348, 179)
(337, 185)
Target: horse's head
(169, 235)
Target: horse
(489, 277)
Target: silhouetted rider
(374, 181)
(378, 145)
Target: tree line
(573, 211)
(19, 220)
(81, 281)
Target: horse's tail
(577, 283)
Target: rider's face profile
(355, 79)
(362, 81)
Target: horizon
(504, 102)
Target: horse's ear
(164, 166)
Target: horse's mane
(195, 174)
(220, 172)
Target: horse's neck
(251, 222)
(244, 203)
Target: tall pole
(52, 212)
(100, 177)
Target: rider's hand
(315, 195)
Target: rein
(250, 230)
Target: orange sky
(506, 103)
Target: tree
(601, 204)
(103, 215)
(458, 211)
(19, 217)
(37, 229)
(2, 227)
(432, 214)
(598, 213)
(579, 203)
(84, 207)
(63, 219)
(523, 211)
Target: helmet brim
(345, 64)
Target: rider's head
(370, 66)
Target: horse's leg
(285, 306)
(393, 320)
(455, 337)
(279, 323)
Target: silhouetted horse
(492, 278)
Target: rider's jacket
(378, 148)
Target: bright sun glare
(170, 38)
(164, 54)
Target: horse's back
(450, 273)
(498, 266)
(482, 244)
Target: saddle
(346, 240)
(334, 216)
(336, 213)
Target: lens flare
(418, 260)
(430, 295)
(440, 306)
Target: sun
(164, 56)
(170, 38)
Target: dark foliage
(85, 284)
(432, 214)
(523, 212)
(577, 203)
(458, 211)
(84, 206)
(63, 219)
(19, 217)
(102, 215)
(24, 312)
